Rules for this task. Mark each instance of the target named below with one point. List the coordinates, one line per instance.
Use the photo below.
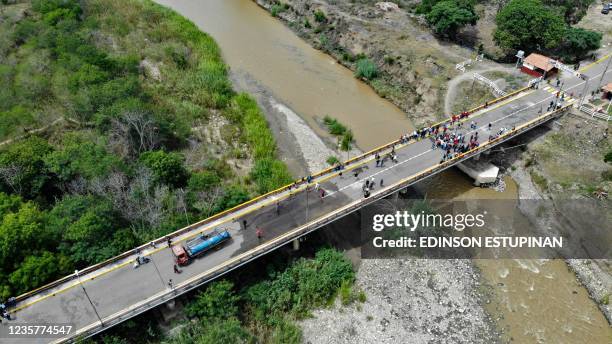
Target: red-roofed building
(538, 65)
(607, 91)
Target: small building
(607, 91)
(538, 65)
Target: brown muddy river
(306, 80)
(537, 301)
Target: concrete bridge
(106, 294)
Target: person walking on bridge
(259, 233)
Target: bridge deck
(120, 291)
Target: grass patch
(276, 9)
(539, 180)
(334, 126)
(469, 95)
(366, 69)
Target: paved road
(119, 287)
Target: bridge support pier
(169, 311)
(481, 171)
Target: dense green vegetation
(531, 26)
(571, 10)
(264, 312)
(134, 88)
(447, 17)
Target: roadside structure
(607, 91)
(538, 65)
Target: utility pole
(307, 191)
(584, 90)
(76, 272)
(603, 74)
(158, 273)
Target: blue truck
(199, 245)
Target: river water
(306, 80)
(535, 301)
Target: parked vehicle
(140, 260)
(605, 9)
(199, 245)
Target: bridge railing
(277, 242)
(208, 220)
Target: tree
(528, 25)
(168, 168)
(9, 204)
(20, 229)
(232, 196)
(87, 227)
(447, 17)
(134, 132)
(22, 167)
(578, 42)
(572, 10)
(39, 269)
(80, 157)
(346, 142)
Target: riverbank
(545, 150)
(421, 299)
(412, 66)
(299, 146)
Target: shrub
(332, 160)
(333, 126)
(539, 180)
(168, 168)
(608, 157)
(346, 296)
(320, 16)
(302, 286)
(278, 8)
(366, 69)
(218, 301)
